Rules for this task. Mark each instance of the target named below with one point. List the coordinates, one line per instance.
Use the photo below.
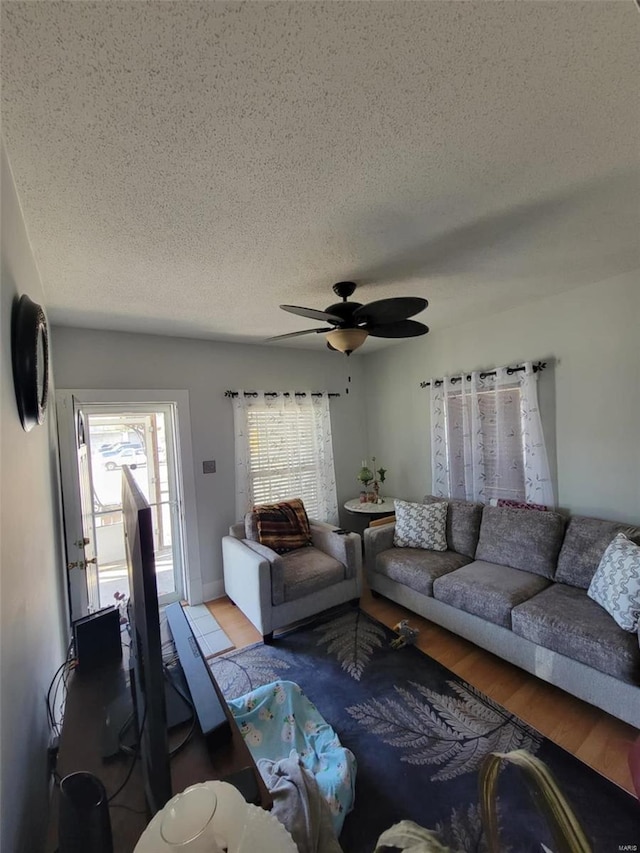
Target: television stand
(81, 745)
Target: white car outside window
(126, 456)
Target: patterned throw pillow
(421, 525)
(616, 583)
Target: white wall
(103, 360)
(33, 605)
(589, 395)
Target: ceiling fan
(352, 322)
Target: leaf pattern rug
(419, 734)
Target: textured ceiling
(186, 167)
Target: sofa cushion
(563, 618)
(463, 524)
(488, 590)
(584, 543)
(521, 539)
(302, 572)
(416, 568)
(420, 526)
(616, 583)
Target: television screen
(147, 671)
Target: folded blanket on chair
(299, 804)
(283, 526)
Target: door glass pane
(137, 439)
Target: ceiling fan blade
(399, 329)
(312, 313)
(390, 310)
(296, 334)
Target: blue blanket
(277, 720)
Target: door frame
(192, 573)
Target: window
(284, 450)
(486, 438)
(503, 462)
(282, 459)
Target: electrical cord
(123, 746)
(185, 698)
(128, 808)
(133, 762)
(60, 676)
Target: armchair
(273, 590)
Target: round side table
(369, 509)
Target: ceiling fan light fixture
(347, 340)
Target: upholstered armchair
(273, 590)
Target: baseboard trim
(211, 590)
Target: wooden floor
(596, 738)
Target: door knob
(80, 543)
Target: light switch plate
(209, 467)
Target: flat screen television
(147, 670)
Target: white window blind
(284, 450)
(282, 460)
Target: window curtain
(283, 449)
(487, 440)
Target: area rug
(419, 734)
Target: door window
(142, 440)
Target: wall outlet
(209, 467)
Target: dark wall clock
(30, 356)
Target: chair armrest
(376, 522)
(263, 550)
(377, 540)
(247, 579)
(344, 547)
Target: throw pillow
(283, 526)
(421, 525)
(616, 583)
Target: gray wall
(103, 360)
(589, 395)
(33, 603)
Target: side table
(370, 510)
(362, 513)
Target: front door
(108, 437)
(88, 562)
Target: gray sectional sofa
(514, 581)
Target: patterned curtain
(487, 440)
(283, 449)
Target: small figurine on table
(406, 635)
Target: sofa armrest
(344, 547)
(247, 579)
(377, 540)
